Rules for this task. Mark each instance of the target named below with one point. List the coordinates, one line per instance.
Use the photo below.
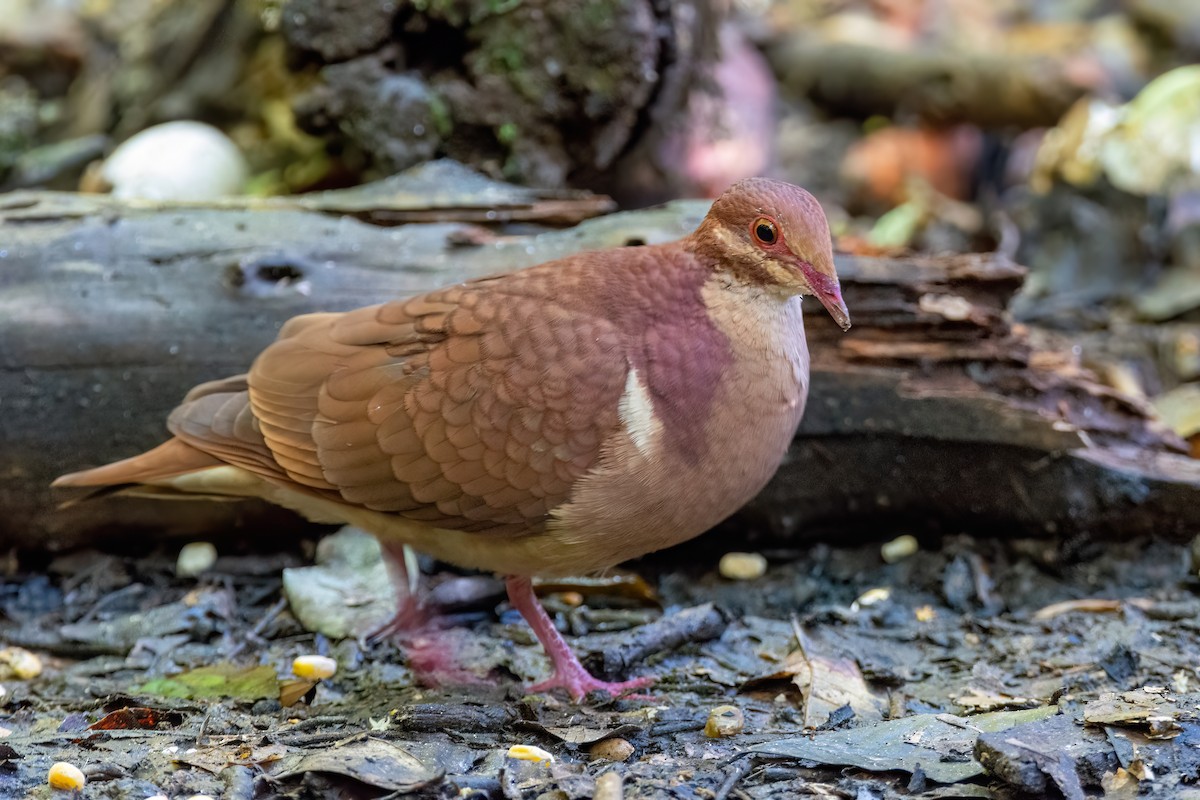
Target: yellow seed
(724, 721)
(925, 614)
(614, 749)
(899, 548)
(742, 566)
(314, 668)
(527, 752)
(65, 776)
(19, 663)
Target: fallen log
(935, 406)
(939, 87)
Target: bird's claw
(411, 618)
(579, 684)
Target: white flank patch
(636, 411)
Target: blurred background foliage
(1065, 135)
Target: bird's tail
(177, 471)
(169, 460)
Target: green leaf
(217, 681)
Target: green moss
(506, 134)
(507, 56)
(597, 14)
(493, 8)
(439, 114)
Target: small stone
(195, 558)
(899, 548)
(742, 566)
(65, 776)
(19, 663)
(724, 721)
(314, 668)
(614, 749)
(528, 752)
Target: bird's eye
(765, 231)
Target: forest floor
(974, 667)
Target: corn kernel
(527, 752)
(314, 668)
(724, 721)
(742, 566)
(899, 548)
(871, 597)
(66, 776)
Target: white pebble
(176, 161)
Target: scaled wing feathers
(468, 408)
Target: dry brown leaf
(828, 683)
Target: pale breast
(646, 494)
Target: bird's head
(775, 234)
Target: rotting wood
(934, 406)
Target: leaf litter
(1074, 672)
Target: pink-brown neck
(772, 235)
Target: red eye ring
(765, 231)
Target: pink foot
(411, 615)
(580, 683)
(432, 654)
(568, 674)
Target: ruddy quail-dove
(559, 419)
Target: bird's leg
(568, 674)
(411, 614)
(432, 656)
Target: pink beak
(829, 292)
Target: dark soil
(953, 633)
